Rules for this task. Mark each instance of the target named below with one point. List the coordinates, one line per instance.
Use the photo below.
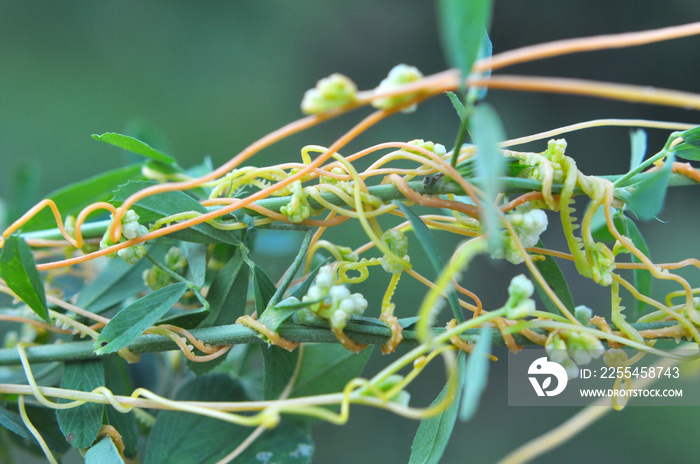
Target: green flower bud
(556, 349)
(132, 254)
(399, 75)
(398, 244)
(175, 259)
(330, 92)
(614, 357)
(583, 314)
(583, 347)
(436, 148)
(520, 288)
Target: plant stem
(360, 332)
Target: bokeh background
(207, 78)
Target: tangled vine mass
(163, 262)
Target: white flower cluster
(529, 224)
(298, 207)
(399, 75)
(156, 278)
(330, 92)
(519, 303)
(398, 243)
(573, 349)
(130, 229)
(437, 148)
(343, 304)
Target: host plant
(154, 257)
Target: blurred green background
(208, 78)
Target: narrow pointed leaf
(12, 421)
(196, 254)
(133, 320)
(434, 432)
(647, 200)
(292, 271)
(485, 51)
(552, 274)
(81, 424)
(135, 146)
(690, 148)
(263, 287)
(73, 198)
(476, 375)
(18, 270)
(462, 26)
(427, 241)
(487, 132)
(642, 278)
(104, 452)
(458, 105)
(154, 207)
(44, 420)
(227, 298)
(114, 284)
(638, 140)
(278, 367)
(327, 369)
(228, 293)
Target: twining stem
(384, 192)
(238, 334)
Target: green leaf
(81, 424)
(690, 148)
(275, 314)
(552, 274)
(289, 443)
(303, 289)
(228, 293)
(118, 381)
(263, 288)
(134, 319)
(44, 420)
(643, 279)
(155, 207)
(462, 26)
(433, 433)
(196, 254)
(25, 183)
(227, 299)
(278, 367)
(458, 105)
(476, 375)
(72, 199)
(12, 421)
(183, 438)
(135, 146)
(187, 318)
(647, 200)
(487, 132)
(638, 140)
(485, 51)
(327, 369)
(427, 241)
(104, 452)
(18, 270)
(293, 269)
(117, 282)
